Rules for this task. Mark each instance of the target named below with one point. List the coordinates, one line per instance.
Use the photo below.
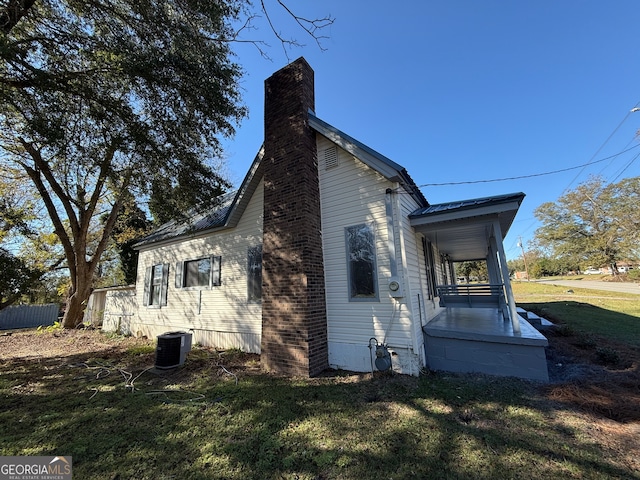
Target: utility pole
(523, 257)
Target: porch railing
(477, 295)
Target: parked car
(592, 271)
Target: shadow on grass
(350, 426)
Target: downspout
(496, 242)
(391, 236)
(402, 264)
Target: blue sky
(468, 91)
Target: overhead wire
(626, 167)
(519, 177)
(591, 162)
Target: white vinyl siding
(221, 316)
(354, 194)
(421, 308)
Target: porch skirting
(479, 340)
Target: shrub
(608, 355)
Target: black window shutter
(179, 270)
(165, 284)
(147, 286)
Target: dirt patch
(594, 375)
(33, 344)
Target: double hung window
(201, 272)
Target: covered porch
(480, 340)
(479, 328)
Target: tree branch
(14, 11)
(111, 221)
(51, 208)
(310, 26)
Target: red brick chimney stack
(294, 320)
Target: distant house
(329, 256)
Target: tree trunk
(77, 302)
(614, 268)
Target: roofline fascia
(250, 180)
(467, 213)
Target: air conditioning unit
(172, 349)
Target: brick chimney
(294, 319)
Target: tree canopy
(105, 101)
(596, 224)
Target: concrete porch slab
(479, 340)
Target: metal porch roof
(462, 229)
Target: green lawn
(119, 420)
(610, 314)
(203, 425)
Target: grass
(609, 314)
(121, 420)
(203, 426)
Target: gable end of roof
(383, 165)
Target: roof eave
(233, 215)
(383, 165)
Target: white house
(329, 256)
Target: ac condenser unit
(172, 349)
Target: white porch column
(452, 272)
(492, 265)
(497, 239)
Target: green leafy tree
(596, 224)
(16, 205)
(474, 269)
(17, 278)
(106, 100)
(131, 225)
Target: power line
(529, 176)
(625, 167)
(633, 110)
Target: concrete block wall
(502, 359)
